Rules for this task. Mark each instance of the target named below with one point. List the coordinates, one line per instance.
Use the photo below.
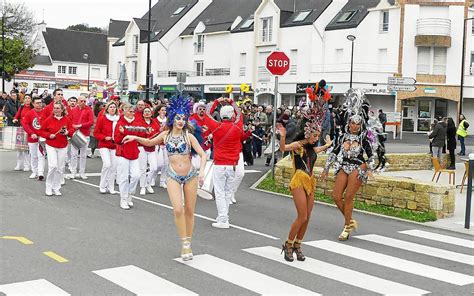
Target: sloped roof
(220, 15)
(360, 6)
(69, 46)
(117, 28)
(42, 60)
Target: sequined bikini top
(177, 145)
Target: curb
(462, 231)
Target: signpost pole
(274, 126)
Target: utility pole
(147, 87)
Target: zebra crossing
(139, 281)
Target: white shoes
(57, 192)
(163, 185)
(130, 201)
(71, 176)
(49, 192)
(63, 182)
(124, 205)
(83, 176)
(142, 191)
(102, 190)
(17, 168)
(222, 225)
(26, 169)
(232, 199)
(33, 176)
(149, 189)
(112, 191)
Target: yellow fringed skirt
(303, 180)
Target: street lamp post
(351, 38)
(86, 57)
(147, 87)
(463, 63)
(3, 49)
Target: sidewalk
(419, 143)
(455, 223)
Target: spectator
(462, 133)
(382, 119)
(11, 108)
(451, 137)
(439, 137)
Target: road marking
(340, 274)
(440, 238)
(439, 274)
(36, 288)
(141, 282)
(98, 174)
(196, 215)
(251, 171)
(21, 239)
(55, 256)
(243, 277)
(417, 248)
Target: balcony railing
(293, 69)
(242, 71)
(217, 72)
(433, 26)
(207, 72)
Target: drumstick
(257, 137)
(59, 130)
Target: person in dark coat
(451, 138)
(439, 137)
(11, 108)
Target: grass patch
(268, 184)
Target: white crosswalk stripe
(141, 282)
(37, 288)
(341, 274)
(244, 277)
(394, 262)
(440, 238)
(417, 248)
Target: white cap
(227, 112)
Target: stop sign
(278, 63)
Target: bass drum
(206, 191)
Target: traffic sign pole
(274, 126)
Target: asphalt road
(110, 251)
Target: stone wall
(401, 161)
(402, 193)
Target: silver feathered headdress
(356, 107)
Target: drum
(207, 189)
(13, 138)
(78, 139)
(42, 145)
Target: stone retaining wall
(397, 192)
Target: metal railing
(242, 71)
(207, 72)
(467, 217)
(433, 26)
(217, 72)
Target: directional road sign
(401, 80)
(180, 87)
(401, 88)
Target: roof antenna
(43, 16)
(294, 5)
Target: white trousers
(196, 159)
(162, 164)
(147, 158)
(56, 159)
(82, 154)
(223, 177)
(22, 159)
(127, 168)
(36, 159)
(239, 173)
(109, 168)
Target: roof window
(247, 23)
(346, 16)
(302, 16)
(179, 10)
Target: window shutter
(423, 65)
(439, 61)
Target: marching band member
(22, 156)
(32, 125)
(147, 154)
(55, 130)
(181, 173)
(104, 133)
(161, 155)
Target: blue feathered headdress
(178, 105)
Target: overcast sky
(97, 13)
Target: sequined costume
(303, 163)
(348, 155)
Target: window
(382, 58)
(95, 72)
(472, 64)
(293, 62)
(384, 21)
(199, 67)
(302, 16)
(346, 16)
(339, 55)
(243, 64)
(200, 44)
(247, 23)
(61, 69)
(179, 10)
(134, 71)
(431, 60)
(119, 69)
(72, 70)
(135, 43)
(267, 29)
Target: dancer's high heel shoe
(354, 225)
(287, 248)
(186, 252)
(298, 252)
(345, 233)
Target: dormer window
(346, 16)
(302, 16)
(179, 10)
(247, 24)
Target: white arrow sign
(401, 88)
(401, 80)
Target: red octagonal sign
(278, 63)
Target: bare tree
(19, 21)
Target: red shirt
(129, 150)
(154, 129)
(31, 124)
(52, 125)
(83, 116)
(202, 124)
(22, 112)
(104, 127)
(48, 110)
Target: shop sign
(223, 89)
(168, 88)
(377, 91)
(193, 88)
(37, 73)
(301, 88)
(430, 90)
(40, 85)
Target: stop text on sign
(278, 63)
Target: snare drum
(78, 139)
(207, 189)
(14, 138)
